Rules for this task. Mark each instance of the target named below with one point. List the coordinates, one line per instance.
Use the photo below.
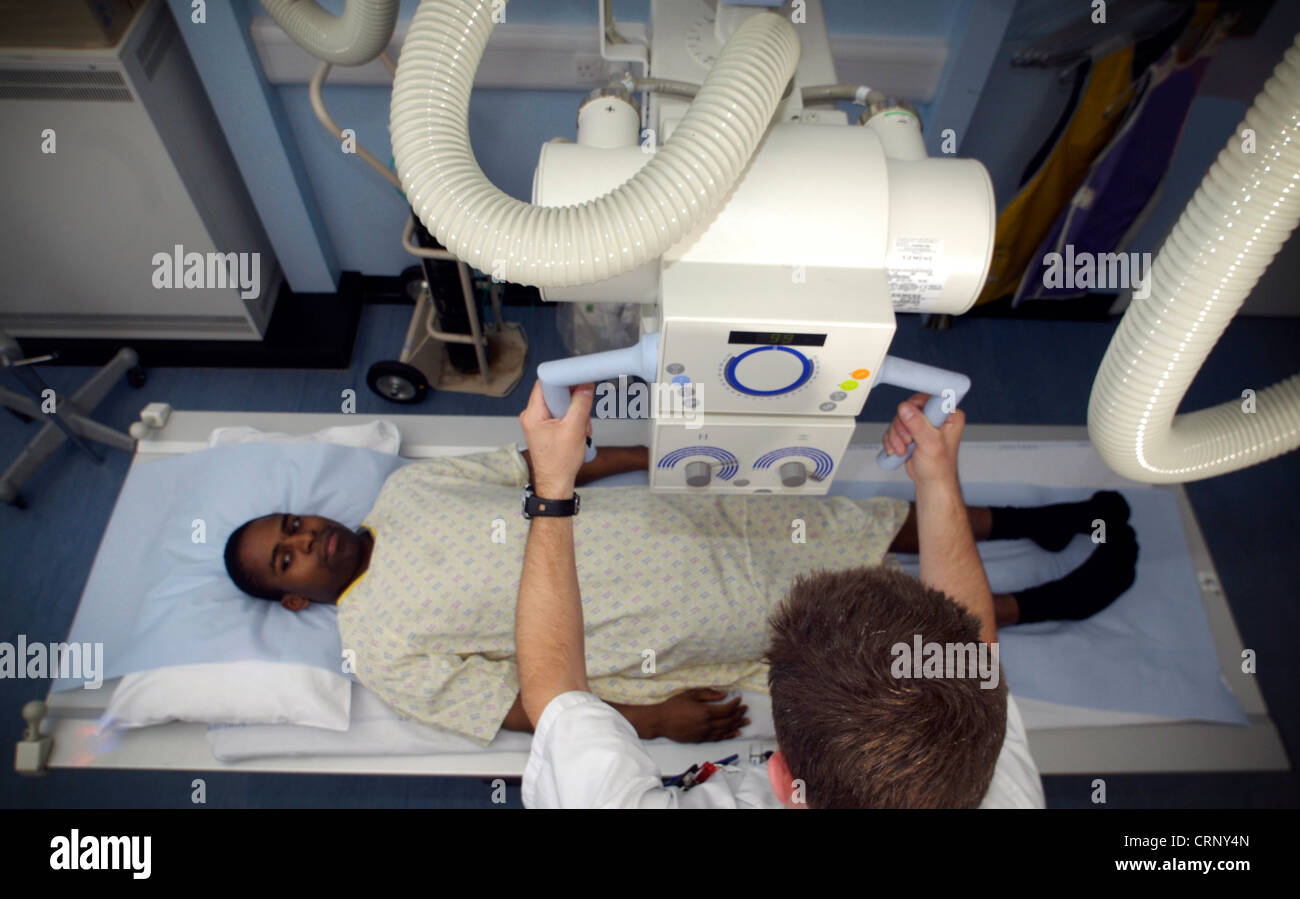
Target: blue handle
(557, 376)
(943, 385)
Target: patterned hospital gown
(690, 579)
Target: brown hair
(858, 736)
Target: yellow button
(862, 374)
(849, 385)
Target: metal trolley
(435, 358)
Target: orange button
(862, 374)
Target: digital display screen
(772, 338)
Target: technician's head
(853, 732)
(296, 559)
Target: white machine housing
(141, 169)
(777, 312)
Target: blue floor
(1024, 372)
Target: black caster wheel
(413, 283)
(137, 377)
(398, 382)
(25, 419)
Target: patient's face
(304, 556)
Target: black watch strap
(539, 507)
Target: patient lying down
(676, 590)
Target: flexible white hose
(1243, 212)
(683, 183)
(352, 39)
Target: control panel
(776, 372)
(748, 454)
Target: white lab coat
(586, 755)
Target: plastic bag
(595, 327)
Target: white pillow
(380, 436)
(251, 692)
(248, 692)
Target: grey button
(839, 395)
(827, 407)
(675, 369)
(762, 490)
(741, 482)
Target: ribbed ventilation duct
(352, 39)
(684, 182)
(1244, 211)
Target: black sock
(1053, 527)
(1108, 572)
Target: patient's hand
(697, 716)
(690, 717)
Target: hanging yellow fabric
(1028, 217)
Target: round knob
(793, 474)
(698, 474)
(33, 713)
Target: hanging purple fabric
(1121, 182)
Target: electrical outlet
(588, 69)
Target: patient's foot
(1053, 527)
(1108, 572)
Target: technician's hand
(696, 716)
(935, 458)
(557, 446)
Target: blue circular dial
(806, 368)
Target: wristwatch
(535, 506)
